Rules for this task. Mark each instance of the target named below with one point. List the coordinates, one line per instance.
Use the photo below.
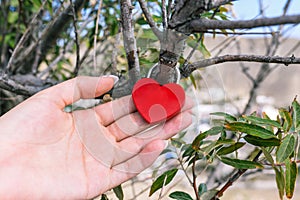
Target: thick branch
(202, 25)
(26, 85)
(186, 71)
(130, 41)
(186, 10)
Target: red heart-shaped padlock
(157, 103)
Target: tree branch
(195, 187)
(56, 27)
(187, 70)
(24, 37)
(186, 10)
(26, 85)
(150, 20)
(96, 34)
(130, 42)
(203, 25)
(77, 66)
(235, 177)
(164, 14)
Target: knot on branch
(292, 59)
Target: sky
(248, 9)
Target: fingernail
(116, 79)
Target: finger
(127, 126)
(188, 104)
(131, 146)
(161, 131)
(138, 163)
(114, 110)
(133, 123)
(77, 88)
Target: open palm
(47, 153)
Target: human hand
(46, 153)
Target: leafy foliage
(270, 139)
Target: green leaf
(250, 129)
(141, 21)
(104, 197)
(262, 121)
(10, 39)
(202, 48)
(119, 192)
(213, 131)
(230, 149)
(193, 81)
(199, 46)
(216, 144)
(256, 141)
(163, 180)
(268, 127)
(286, 148)
(202, 188)
(148, 34)
(291, 172)
(287, 119)
(228, 118)
(13, 17)
(180, 196)
(268, 156)
(166, 151)
(188, 151)
(177, 142)
(280, 181)
(157, 18)
(197, 141)
(240, 164)
(296, 115)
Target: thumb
(82, 87)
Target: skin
(46, 153)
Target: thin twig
(96, 34)
(66, 49)
(77, 66)
(24, 37)
(150, 20)
(280, 164)
(240, 33)
(164, 14)
(265, 68)
(195, 178)
(238, 58)
(183, 169)
(169, 8)
(245, 69)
